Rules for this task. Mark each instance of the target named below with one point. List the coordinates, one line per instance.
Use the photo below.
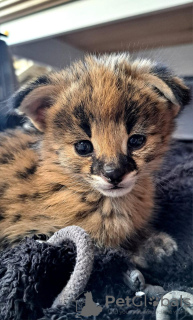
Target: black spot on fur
(56, 162)
(119, 83)
(84, 123)
(32, 170)
(84, 198)
(32, 196)
(3, 188)
(77, 169)
(82, 214)
(131, 115)
(16, 218)
(2, 216)
(33, 231)
(24, 146)
(23, 196)
(27, 173)
(6, 158)
(58, 187)
(39, 217)
(85, 213)
(35, 195)
(140, 198)
(150, 158)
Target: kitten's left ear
(170, 86)
(34, 99)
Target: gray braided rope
(83, 266)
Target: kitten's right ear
(170, 86)
(34, 99)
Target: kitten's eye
(136, 141)
(84, 148)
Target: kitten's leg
(154, 249)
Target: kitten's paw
(134, 280)
(159, 246)
(155, 249)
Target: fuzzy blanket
(33, 273)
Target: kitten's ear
(33, 100)
(170, 86)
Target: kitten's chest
(122, 218)
(109, 221)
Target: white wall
(179, 58)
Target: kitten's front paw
(155, 249)
(134, 279)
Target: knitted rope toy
(83, 266)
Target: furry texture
(32, 274)
(46, 185)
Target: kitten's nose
(113, 174)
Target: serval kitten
(103, 126)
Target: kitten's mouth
(110, 190)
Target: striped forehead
(102, 96)
(106, 113)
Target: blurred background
(47, 35)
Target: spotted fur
(45, 185)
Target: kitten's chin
(115, 193)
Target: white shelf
(78, 15)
